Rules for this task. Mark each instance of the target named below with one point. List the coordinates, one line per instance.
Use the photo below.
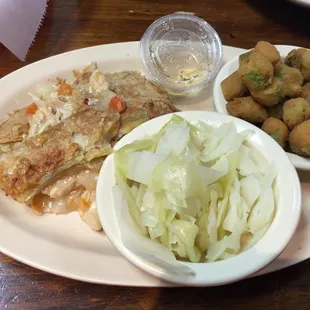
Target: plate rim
(304, 3)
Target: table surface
(73, 24)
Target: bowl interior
(231, 66)
(288, 201)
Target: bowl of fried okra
(269, 86)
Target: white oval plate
(63, 244)
(220, 102)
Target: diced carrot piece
(84, 203)
(64, 89)
(117, 104)
(32, 109)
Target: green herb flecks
(244, 56)
(257, 78)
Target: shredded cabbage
(174, 140)
(198, 190)
(45, 90)
(142, 173)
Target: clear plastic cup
(181, 52)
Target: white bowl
(220, 102)
(288, 198)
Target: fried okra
(305, 64)
(299, 139)
(268, 50)
(256, 71)
(233, 87)
(277, 110)
(295, 111)
(276, 129)
(291, 80)
(244, 56)
(293, 59)
(305, 92)
(247, 109)
(269, 96)
(300, 59)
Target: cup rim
(144, 51)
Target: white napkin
(19, 23)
